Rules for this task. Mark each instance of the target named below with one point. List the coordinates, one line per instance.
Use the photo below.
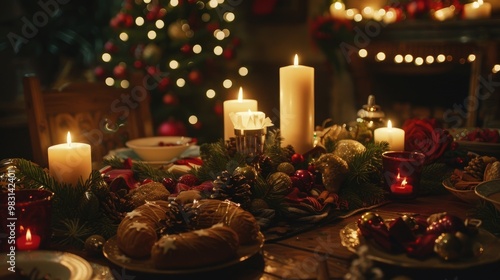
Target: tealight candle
(401, 187)
(30, 241)
(392, 135)
(297, 106)
(233, 106)
(402, 171)
(70, 162)
(477, 10)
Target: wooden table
(318, 253)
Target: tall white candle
(236, 105)
(297, 106)
(392, 135)
(70, 162)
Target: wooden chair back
(94, 113)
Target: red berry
(297, 158)
(169, 184)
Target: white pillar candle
(392, 135)
(477, 10)
(297, 106)
(70, 162)
(236, 105)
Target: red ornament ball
(120, 71)
(170, 99)
(186, 48)
(169, 184)
(305, 180)
(99, 72)
(128, 21)
(110, 47)
(164, 83)
(172, 128)
(195, 77)
(297, 158)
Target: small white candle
(392, 135)
(297, 106)
(477, 10)
(70, 162)
(337, 10)
(233, 106)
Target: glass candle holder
(402, 172)
(250, 141)
(26, 218)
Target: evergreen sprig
(216, 158)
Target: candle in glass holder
(29, 241)
(233, 106)
(402, 171)
(70, 162)
(297, 106)
(392, 135)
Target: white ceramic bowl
(468, 196)
(160, 148)
(490, 191)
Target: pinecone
(477, 166)
(234, 188)
(180, 218)
(115, 206)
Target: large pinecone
(115, 206)
(477, 165)
(232, 187)
(180, 218)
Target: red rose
(423, 135)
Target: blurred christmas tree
(188, 50)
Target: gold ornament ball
(151, 54)
(333, 171)
(348, 148)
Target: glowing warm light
(205, 17)
(151, 34)
(193, 119)
(180, 82)
(240, 94)
(173, 3)
(213, 4)
(243, 71)
(147, 1)
(296, 60)
(160, 24)
(441, 58)
(106, 57)
(210, 93)
(419, 61)
(389, 124)
(496, 68)
(197, 49)
(229, 17)
(471, 57)
(429, 59)
(380, 56)
(123, 36)
(350, 13)
(218, 50)
(363, 53)
(68, 139)
(124, 84)
(408, 58)
(449, 58)
(227, 83)
(139, 21)
(219, 35)
(109, 81)
(358, 17)
(398, 58)
(173, 64)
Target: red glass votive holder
(402, 172)
(26, 219)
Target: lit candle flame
(240, 95)
(28, 235)
(398, 177)
(403, 183)
(296, 60)
(68, 139)
(389, 124)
